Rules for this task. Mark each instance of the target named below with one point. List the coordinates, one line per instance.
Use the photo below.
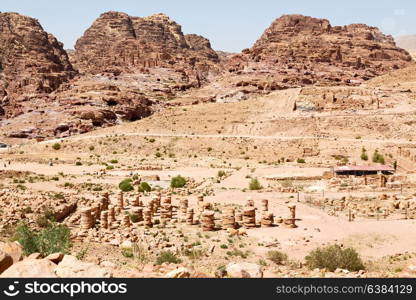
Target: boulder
(5, 261)
(71, 267)
(35, 255)
(126, 245)
(14, 249)
(244, 270)
(31, 268)
(55, 257)
(179, 273)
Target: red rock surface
(298, 50)
(32, 62)
(117, 43)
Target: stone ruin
(124, 217)
(384, 206)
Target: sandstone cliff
(302, 50)
(117, 43)
(32, 62)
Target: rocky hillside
(117, 43)
(304, 50)
(32, 62)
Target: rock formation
(117, 43)
(32, 62)
(299, 50)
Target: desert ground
(238, 143)
(146, 153)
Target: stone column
(137, 202)
(111, 214)
(267, 219)
(207, 221)
(264, 205)
(183, 207)
(121, 200)
(104, 219)
(166, 213)
(126, 221)
(250, 202)
(105, 201)
(249, 217)
(239, 218)
(228, 218)
(147, 216)
(292, 209)
(87, 221)
(291, 223)
(190, 216)
(200, 203)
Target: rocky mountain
(118, 43)
(125, 68)
(301, 50)
(32, 62)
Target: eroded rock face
(117, 43)
(70, 267)
(299, 51)
(31, 268)
(32, 62)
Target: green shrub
(334, 257)
(145, 187)
(56, 146)
(26, 238)
(127, 253)
(134, 218)
(194, 254)
(378, 158)
(364, 155)
(126, 185)
(47, 216)
(177, 182)
(221, 173)
(167, 257)
(301, 161)
(254, 185)
(52, 239)
(277, 257)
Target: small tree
(177, 182)
(277, 257)
(254, 185)
(333, 257)
(145, 187)
(378, 158)
(167, 257)
(126, 185)
(221, 173)
(56, 146)
(54, 238)
(364, 155)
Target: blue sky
(231, 25)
